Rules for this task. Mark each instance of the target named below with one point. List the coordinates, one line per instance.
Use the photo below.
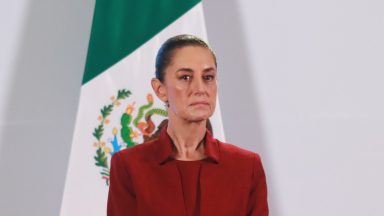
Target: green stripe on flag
(121, 26)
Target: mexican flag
(117, 107)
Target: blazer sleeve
(258, 203)
(121, 196)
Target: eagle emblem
(135, 126)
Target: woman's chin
(197, 117)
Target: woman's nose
(198, 85)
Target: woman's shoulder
(229, 150)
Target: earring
(166, 104)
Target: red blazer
(144, 181)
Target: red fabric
(145, 181)
(190, 173)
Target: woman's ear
(159, 89)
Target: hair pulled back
(166, 51)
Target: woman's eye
(209, 77)
(185, 77)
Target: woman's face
(190, 85)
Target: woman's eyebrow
(210, 69)
(189, 70)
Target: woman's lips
(200, 103)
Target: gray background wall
(300, 82)
(43, 48)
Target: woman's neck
(188, 138)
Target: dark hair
(164, 55)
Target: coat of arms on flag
(133, 128)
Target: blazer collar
(165, 147)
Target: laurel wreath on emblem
(106, 148)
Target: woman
(185, 171)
